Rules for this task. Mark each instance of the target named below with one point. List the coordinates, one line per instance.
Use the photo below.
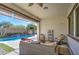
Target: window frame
(75, 37)
(70, 20)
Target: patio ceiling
(55, 10)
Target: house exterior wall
(73, 44)
(59, 26)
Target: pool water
(15, 37)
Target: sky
(12, 20)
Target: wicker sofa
(35, 49)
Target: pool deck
(15, 45)
(2, 52)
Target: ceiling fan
(40, 4)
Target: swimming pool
(15, 37)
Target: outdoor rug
(4, 49)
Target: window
(77, 21)
(71, 24)
(73, 21)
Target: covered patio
(52, 20)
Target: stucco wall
(58, 25)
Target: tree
(31, 27)
(5, 25)
(20, 27)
